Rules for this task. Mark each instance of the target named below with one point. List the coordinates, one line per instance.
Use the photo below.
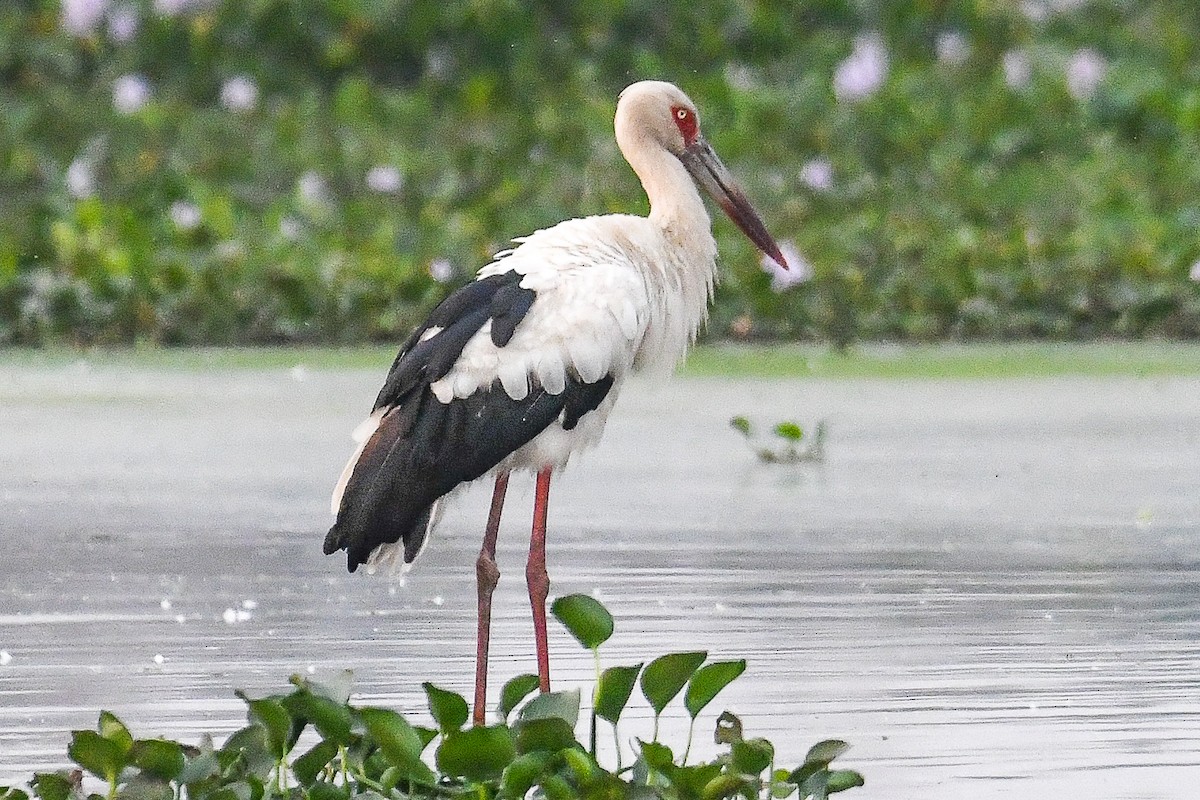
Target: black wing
(423, 448)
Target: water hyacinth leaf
(825, 751)
(556, 787)
(708, 682)
(158, 757)
(331, 719)
(400, 743)
(515, 691)
(665, 676)
(275, 721)
(478, 754)
(723, 786)
(115, 731)
(656, 755)
(547, 734)
(200, 767)
(324, 790)
(250, 745)
(100, 756)
(693, 780)
(448, 709)
(146, 787)
(613, 691)
(586, 619)
(789, 431)
(563, 705)
(842, 779)
(582, 765)
(524, 771)
(12, 793)
(752, 756)
(52, 786)
(741, 425)
(310, 764)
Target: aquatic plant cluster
(374, 753)
(215, 171)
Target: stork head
(656, 115)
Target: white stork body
(520, 369)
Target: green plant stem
(688, 747)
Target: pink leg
(486, 576)
(537, 578)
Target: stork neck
(675, 203)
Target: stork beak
(702, 162)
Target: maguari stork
(519, 369)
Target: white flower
(441, 270)
(384, 179)
(799, 270)
(290, 228)
(130, 93)
(1195, 273)
(185, 215)
(862, 72)
(123, 23)
(953, 48)
(312, 188)
(1017, 69)
(239, 93)
(1085, 71)
(817, 173)
(1038, 10)
(81, 17)
(169, 8)
(81, 182)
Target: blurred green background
(323, 171)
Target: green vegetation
(275, 172)
(376, 754)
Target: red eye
(685, 120)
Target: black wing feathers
(423, 448)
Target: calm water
(989, 588)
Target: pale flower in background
(169, 8)
(799, 270)
(1195, 273)
(81, 17)
(862, 72)
(1085, 71)
(953, 48)
(817, 173)
(239, 93)
(130, 93)
(123, 23)
(290, 228)
(1038, 10)
(1018, 72)
(312, 188)
(185, 215)
(384, 179)
(441, 270)
(81, 182)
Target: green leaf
(665, 676)
(825, 751)
(115, 731)
(331, 719)
(693, 780)
(478, 753)
(52, 786)
(752, 756)
(523, 773)
(790, 431)
(548, 734)
(613, 690)
(13, 793)
(200, 768)
(708, 682)
(309, 765)
(270, 713)
(656, 755)
(449, 710)
(515, 691)
(399, 742)
(842, 779)
(146, 787)
(324, 790)
(587, 620)
(336, 688)
(158, 757)
(741, 425)
(724, 786)
(563, 705)
(100, 756)
(250, 745)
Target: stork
(519, 369)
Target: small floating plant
(789, 445)
(529, 751)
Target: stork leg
(538, 579)
(487, 574)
